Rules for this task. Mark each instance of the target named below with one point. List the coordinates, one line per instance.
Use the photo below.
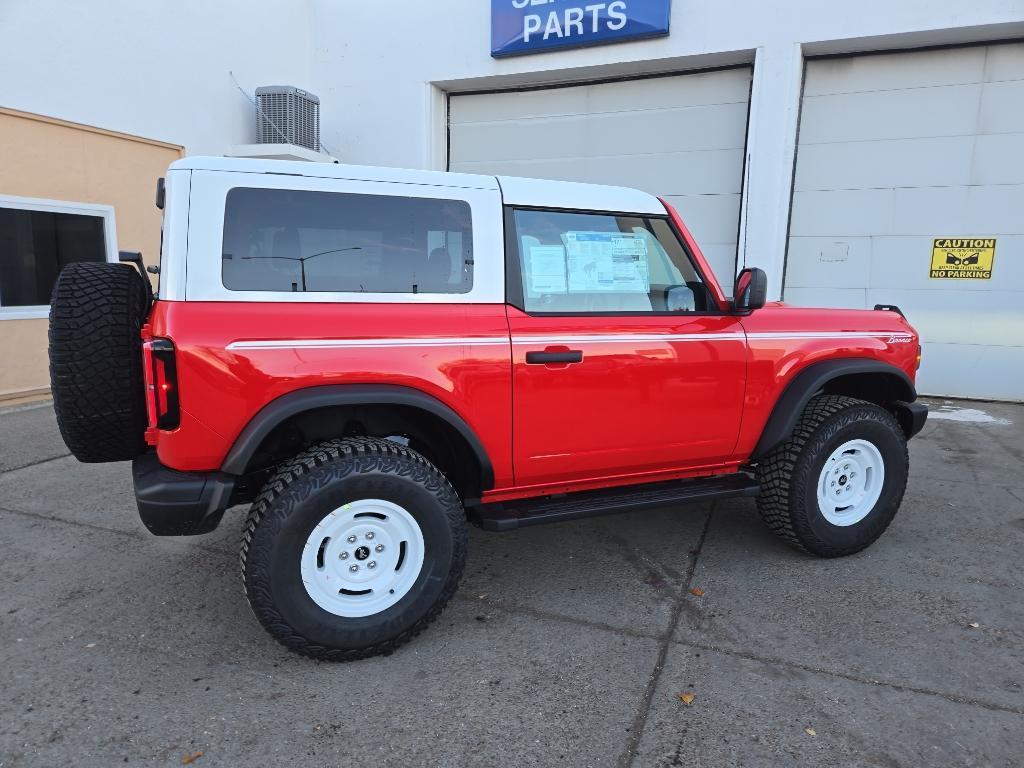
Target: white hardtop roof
(515, 191)
(571, 194)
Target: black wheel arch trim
(809, 382)
(326, 396)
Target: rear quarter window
(300, 240)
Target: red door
(647, 394)
(623, 363)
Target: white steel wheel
(362, 558)
(850, 482)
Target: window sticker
(547, 269)
(613, 262)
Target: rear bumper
(911, 417)
(173, 503)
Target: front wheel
(835, 485)
(352, 549)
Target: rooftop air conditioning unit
(287, 115)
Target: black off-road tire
(96, 313)
(307, 489)
(789, 475)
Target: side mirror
(680, 298)
(751, 290)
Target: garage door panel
(680, 173)
(983, 317)
(896, 114)
(999, 158)
(822, 262)
(727, 87)
(956, 369)
(840, 298)
(925, 162)
(646, 132)
(1004, 62)
(827, 213)
(722, 259)
(711, 218)
(910, 211)
(564, 169)
(926, 210)
(997, 208)
(1000, 107)
(886, 72)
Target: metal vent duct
(287, 115)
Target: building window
(298, 240)
(37, 240)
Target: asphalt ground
(568, 644)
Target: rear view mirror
(751, 290)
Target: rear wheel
(352, 549)
(96, 316)
(833, 488)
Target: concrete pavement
(566, 645)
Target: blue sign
(531, 26)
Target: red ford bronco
(371, 357)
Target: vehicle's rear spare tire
(96, 314)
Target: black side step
(507, 516)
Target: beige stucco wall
(56, 160)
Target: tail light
(161, 378)
(918, 357)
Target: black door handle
(546, 358)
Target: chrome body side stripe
(364, 343)
(552, 340)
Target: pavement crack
(34, 463)
(951, 697)
(136, 536)
(665, 642)
(519, 609)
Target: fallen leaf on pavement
(687, 698)
(697, 592)
(190, 758)
(974, 625)
(810, 732)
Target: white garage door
(896, 151)
(678, 137)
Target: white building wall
(153, 68)
(381, 69)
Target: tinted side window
(36, 245)
(298, 240)
(593, 262)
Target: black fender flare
(810, 381)
(311, 398)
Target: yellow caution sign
(962, 258)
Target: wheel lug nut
(837, 492)
(833, 483)
(353, 567)
(344, 555)
(379, 548)
(369, 535)
(351, 539)
(372, 564)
